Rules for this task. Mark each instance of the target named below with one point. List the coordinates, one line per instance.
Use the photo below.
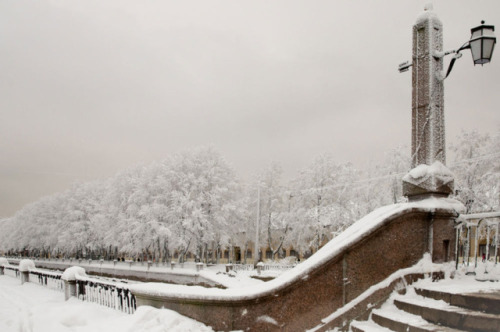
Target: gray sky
(88, 88)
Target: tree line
(193, 202)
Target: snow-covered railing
(279, 267)
(115, 295)
(243, 267)
(477, 238)
(264, 266)
(12, 271)
(49, 279)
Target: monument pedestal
(426, 181)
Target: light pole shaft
(257, 226)
(428, 136)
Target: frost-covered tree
(274, 226)
(193, 202)
(185, 202)
(380, 184)
(204, 199)
(476, 166)
(322, 197)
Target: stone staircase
(422, 309)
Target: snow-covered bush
(3, 261)
(71, 272)
(25, 265)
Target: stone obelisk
(429, 176)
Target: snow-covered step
(441, 313)
(398, 320)
(484, 302)
(367, 326)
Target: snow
(34, 308)
(371, 326)
(72, 272)
(425, 265)
(423, 172)
(3, 261)
(350, 236)
(26, 264)
(427, 15)
(215, 274)
(459, 284)
(31, 307)
(388, 309)
(267, 319)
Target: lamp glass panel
(475, 48)
(488, 45)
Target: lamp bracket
(458, 55)
(404, 66)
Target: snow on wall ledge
(71, 273)
(425, 179)
(4, 261)
(351, 236)
(26, 264)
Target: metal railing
(265, 267)
(12, 271)
(278, 267)
(243, 267)
(114, 295)
(49, 279)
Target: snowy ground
(33, 308)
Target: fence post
(260, 266)
(3, 261)
(25, 276)
(24, 268)
(69, 289)
(69, 278)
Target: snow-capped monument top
(428, 134)
(428, 14)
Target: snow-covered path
(34, 308)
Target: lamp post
(429, 176)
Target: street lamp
(482, 42)
(429, 176)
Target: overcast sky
(88, 88)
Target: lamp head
(482, 42)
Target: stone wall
(398, 242)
